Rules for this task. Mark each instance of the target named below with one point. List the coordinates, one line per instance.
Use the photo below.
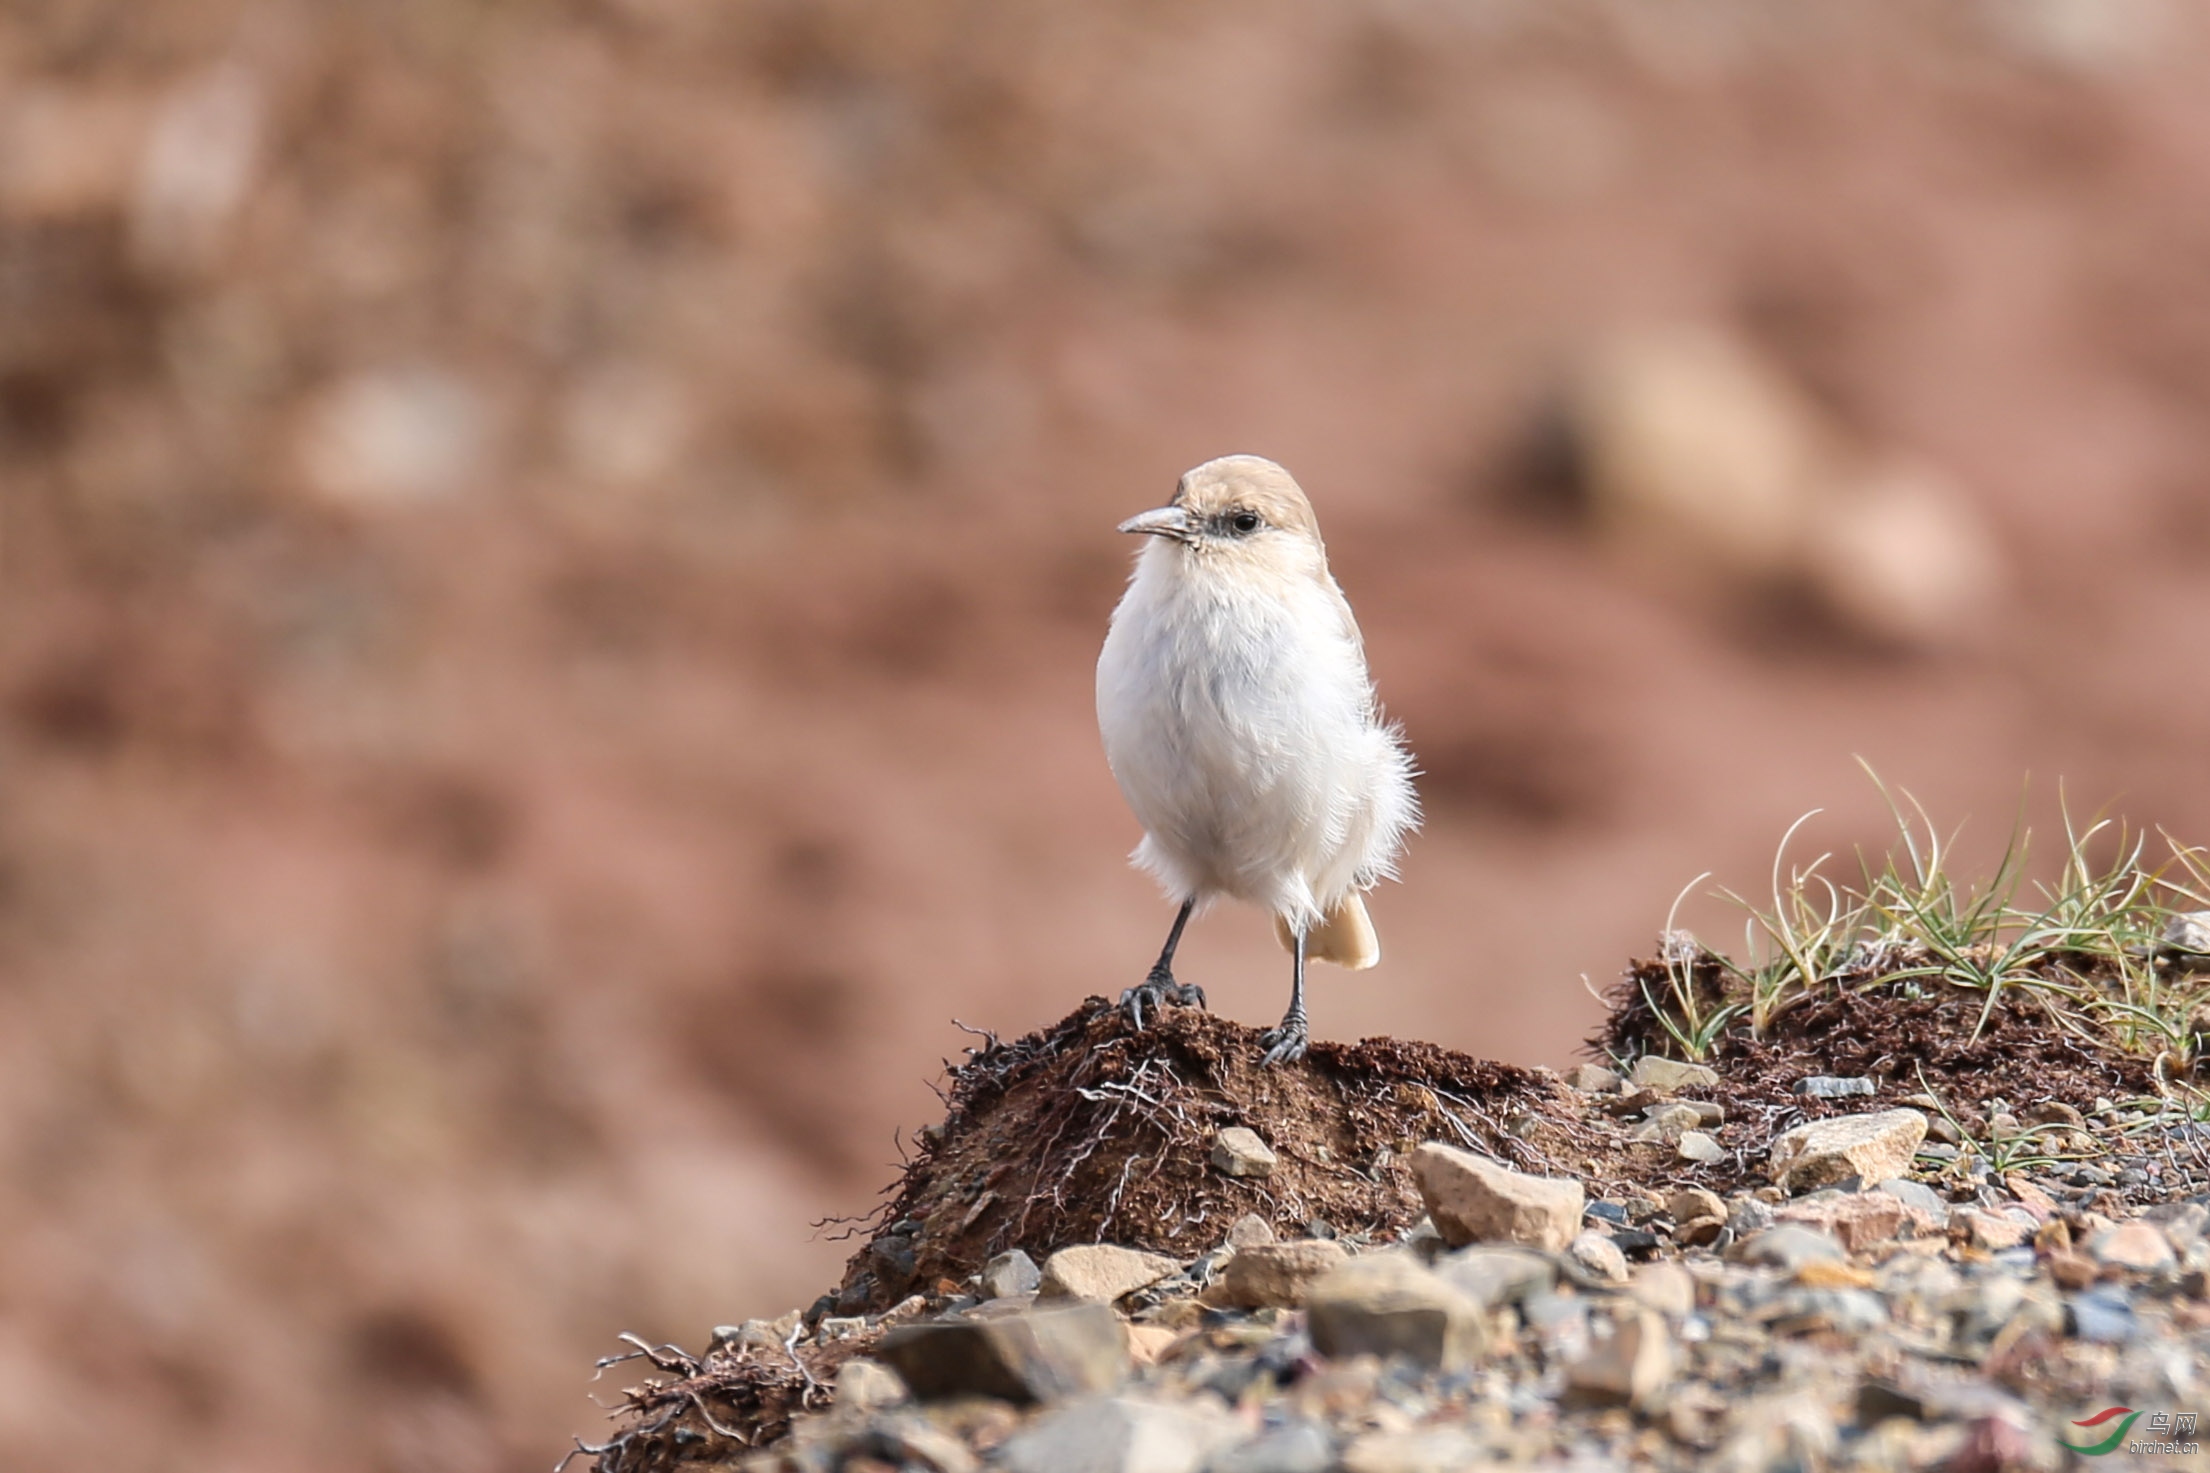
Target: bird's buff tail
(1345, 936)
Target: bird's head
(1240, 513)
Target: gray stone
(2189, 932)
(2104, 1316)
(1474, 1200)
(868, 1385)
(1099, 1273)
(1010, 1274)
(1038, 1355)
(1627, 1369)
(1787, 1247)
(1491, 1275)
(1119, 1435)
(1835, 1086)
(1387, 1304)
(913, 1442)
(1595, 1079)
(1277, 1275)
(1249, 1231)
(1299, 1447)
(1668, 1122)
(1697, 1146)
(1872, 1148)
(1599, 1255)
(1918, 1197)
(1670, 1075)
(1238, 1151)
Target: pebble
(1119, 1435)
(1697, 1146)
(1009, 1275)
(2135, 1245)
(1595, 1079)
(1389, 1304)
(1250, 1230)
(1298, 1447)
(1032, 1356)
(1834, 1086)
(1474, 1200)
(869, 1385)
(1599, 1255)
(1238, 1151)
(1626, 1369)
(1871, 1148)
(1670, 1075)
(1276, 1275)
(1099, 1273)
(1490, 1275)
(1787, 1247)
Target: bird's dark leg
(1287, 1043)
(1160, 988)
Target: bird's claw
(1286, 1044)
(1160, 991)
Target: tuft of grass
(2094, 947)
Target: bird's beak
(1161, 521)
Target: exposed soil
(1092, 1131)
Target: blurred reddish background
(553, 555)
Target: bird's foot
(1286, 1044)
(1158, 992)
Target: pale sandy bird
(1242, 728)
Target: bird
(1242, 727)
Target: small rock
(2132, 1245)
(1146, 1343)
(1871, 1148)
(1690, 1203)
(1629, 1368)
(1697, 1146)
(1857, 1221)
(868, 1385)
(1422, 1450)
(1277, 1275)
(1009, 1274)
(2183, 1222)
(1595, 1079)
(2104, 1317)
(1118, 1435)
(1493, 1275)
(1664, 1287)
(1835, 1086)
(1238, 1151)
(1669, 1076)
(1787, 1247)
(1099, 1273)
(2072, 1270)
(2189, 932)
(1991, 1231)
(1747, 1215)
(1918, 1197)
(1597, 1253)
(1299, 1447)
(1387, 1304)
(1473, 1200)
(1036, 1355)
(1668, 1122)
(1249, 1231)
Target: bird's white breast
(1239, 722)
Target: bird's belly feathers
(1242, 737)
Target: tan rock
(1249, 1230)
(1276, 1275)
(1387, 1304)
(1872, 1148)
(1668, 1076)
(1420, 1450)
(1664, 1287)
(1238, 1151)
(1099, 1273)
(1690, 1203)
(1474, 1200)
(1596, 1253)
(1992, 1231)
(1859, 1220)
(1627, 1369)
(2132, 1245)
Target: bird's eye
(1244, 522)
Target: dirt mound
(1092, 1131)
(1907, 1036)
